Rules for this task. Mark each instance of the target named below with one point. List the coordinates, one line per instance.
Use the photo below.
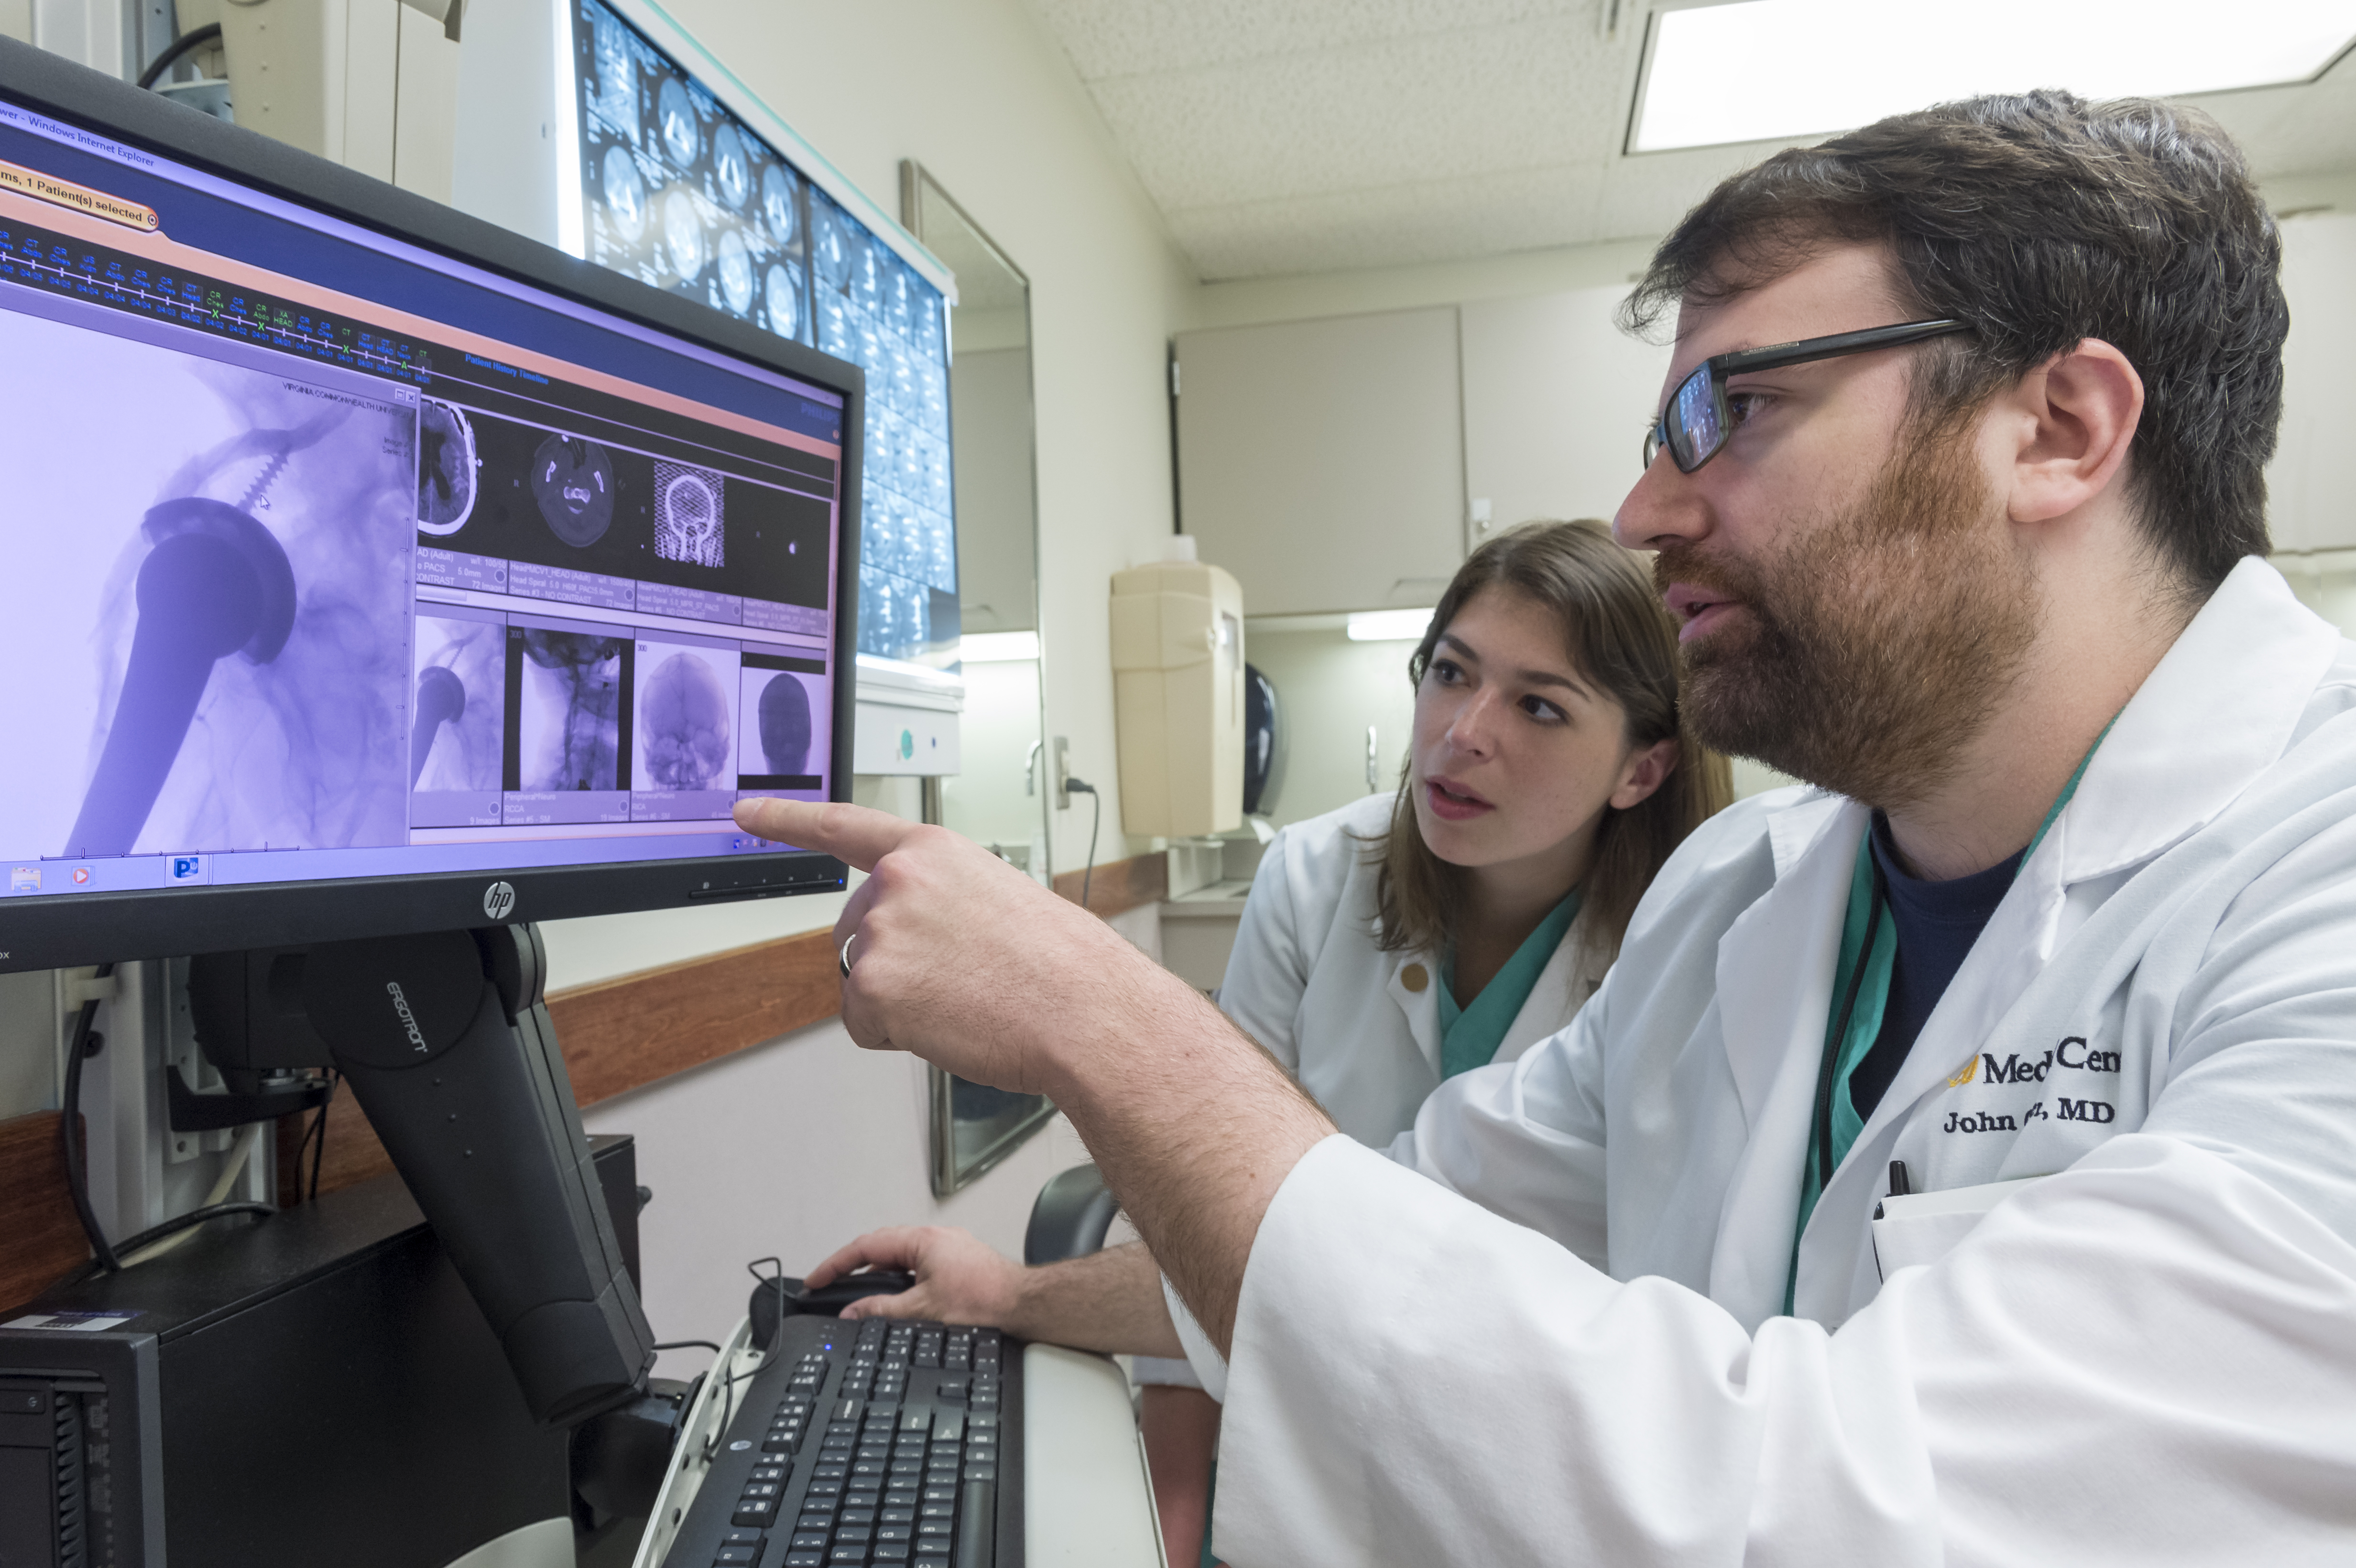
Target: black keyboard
(886, 1441)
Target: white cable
(248, 1137)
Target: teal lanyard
(1869, 956)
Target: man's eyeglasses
(1696, 424)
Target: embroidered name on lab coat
(2073, 1054)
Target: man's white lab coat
(2148, 1358)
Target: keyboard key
(891, 1552)
(808, 1541)
(936, 1529)
(740, 1556)
(906, 1514)
(848, 1554)
(895, 1533)
(930, 1563)
(940, 1494)
(750, 1513)
(974, 1472)
(817, 1560)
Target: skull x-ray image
(458, 728)
(688, 522)
(685, 704)
(785, 728)
(568, 719)
(228, 667)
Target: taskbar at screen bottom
(51, 876)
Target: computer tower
(314, 1388)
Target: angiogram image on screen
(217, 656)
(569, 718)
(679, 193)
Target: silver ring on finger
(846, 952)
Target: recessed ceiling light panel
(1772, 70)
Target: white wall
(1328, 690)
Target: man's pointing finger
(850, 833)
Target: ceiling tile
(1124, 38)
(1485, 214)
(1435, 108)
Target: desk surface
(1086, 1500)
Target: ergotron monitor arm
(448, 1047)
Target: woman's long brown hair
(1618, 637)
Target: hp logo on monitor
(498, 900)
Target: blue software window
(679, 193)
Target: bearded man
(1956, 1166)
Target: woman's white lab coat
(2147, 1357)
(1359, 1027)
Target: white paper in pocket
(1920, 1227)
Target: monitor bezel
(64, 930)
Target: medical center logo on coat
(2072, 1055)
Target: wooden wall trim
(1119, 885)
(44, 1236)
(618, 1035)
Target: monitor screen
(348, 563)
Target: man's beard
(1880, 642)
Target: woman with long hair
(1404, 939)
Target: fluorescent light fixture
(1770, 70)
(1390, 625)
(998, 647)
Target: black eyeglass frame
(1774, 356)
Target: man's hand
(958, 957)
(1109, 1301)
(958, 1278)
(954, 954)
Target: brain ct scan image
(736, 268)
(625, 193)
(780, 205)
(682, 138)
(682, 233)
(447, 468)
(784, 299)
(686, 717)
(573, 481)
(731, 167)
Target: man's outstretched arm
(963, 960)
(1109, 1301)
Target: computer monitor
(375, 571)
(378, 583)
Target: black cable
(185, 44)
(319, 1126)
(689, 1345)
(171, 1227)
(69, 1136)
(1096, 818)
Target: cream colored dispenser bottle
(1178, 697)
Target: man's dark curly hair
(2044, 220)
